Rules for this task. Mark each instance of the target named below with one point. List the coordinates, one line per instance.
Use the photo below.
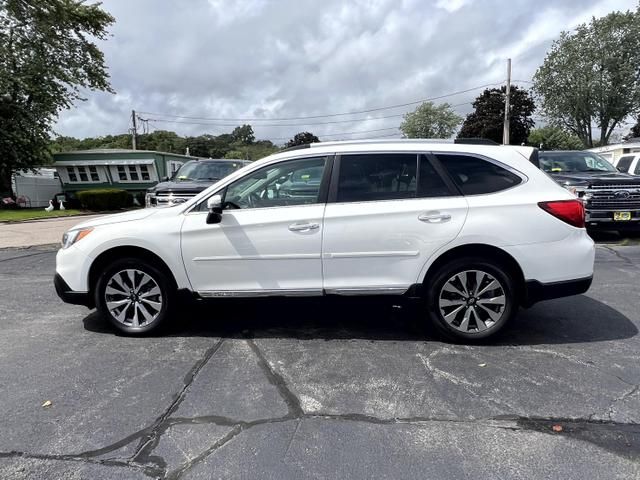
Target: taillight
(569, 211)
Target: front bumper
(537, 291)
(69, 296)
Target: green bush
(104, 199)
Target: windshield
(201, 171)
(557, 162)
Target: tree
(487, 119)
(634, 132)
(591, 76)
(301, 139)
(431, 121)
(47, 55)
(554, 138)
(162, 141)
(243, 135)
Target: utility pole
(134, 130)
(507, 106)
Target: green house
(131, 170)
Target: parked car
(470, 232)
(611, 197)
(192, 178)
(629, 164)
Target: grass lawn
(19, 214)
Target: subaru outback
(472, 232)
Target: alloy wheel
(472, 301)
(133, 298)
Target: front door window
(288, 183)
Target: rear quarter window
(476, 176)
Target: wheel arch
(485, 252)
(130, 251)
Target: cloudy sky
(203, 66)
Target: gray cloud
(289, 58)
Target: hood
(594, 178)
(181, 187)
(117, 218)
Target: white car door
(268, 241)
(384, 219)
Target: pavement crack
(573, 359)
(293, 436)
(24, 256)
(152, 434)
(292, 401)
(176, 474)
(149, 471)
(610, 409)
(618, 254)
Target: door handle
(303, 227)
(434, 217)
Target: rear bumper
(69, 296)
(537, 291)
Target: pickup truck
(192, 178)
(611, 198)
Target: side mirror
(214, 204)
(620, 169)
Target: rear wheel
(471, 299)
(134, 296)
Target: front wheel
(134, 296)
(471, 299)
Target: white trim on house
(73, 163)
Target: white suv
(472, 231)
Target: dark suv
(611, 198)
(192, 178)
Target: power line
(377, 109)
(522, 81)
(180, 122)
(297, 124)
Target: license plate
(621, 216)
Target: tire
(134, 296)
(461, 311)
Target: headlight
(577, 191)
(73, 236)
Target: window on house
(134, 173)
(72, 174)
(93, 172)
(83, 174)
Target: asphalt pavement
(38, 232)
(334, 388)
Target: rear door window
(380, 176)
(476, 176)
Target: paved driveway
(309, 389)
(38, 232)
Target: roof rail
(296, 147)
(466, 141)
(475, 141)
(393, 140)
